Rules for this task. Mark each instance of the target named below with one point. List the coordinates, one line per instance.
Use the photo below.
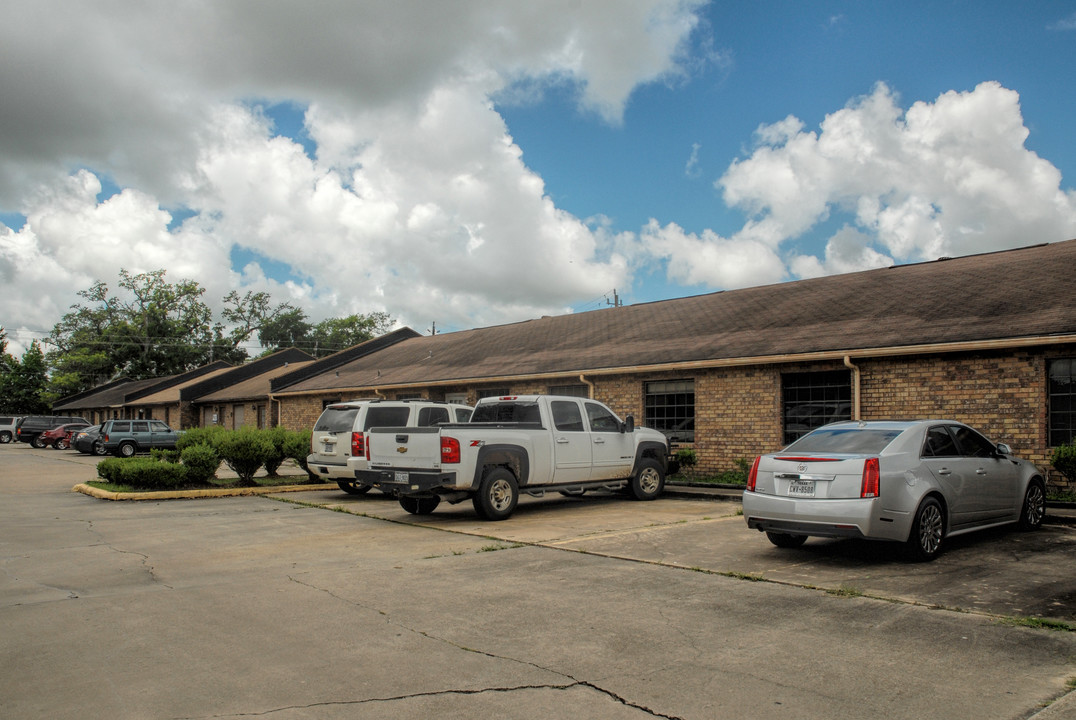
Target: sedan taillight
(752, 477)
(871, 475)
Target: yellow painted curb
(192, 494)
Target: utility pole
(615, 301)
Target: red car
(59, 437)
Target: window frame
(807, 389)
(669, 404)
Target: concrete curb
(194, 494)
(1061, 513)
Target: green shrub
(160, 455)
(210, 435)
(277, 437)
(143, 473)
(245, 451)
(297, 447)
(201, 462)
(1064, 461)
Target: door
(613, 451)
(994, 477)
(162, 436)
(571, 443)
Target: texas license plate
(801, 488)
(401, 477)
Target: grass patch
(1038, 623)
(845, 591)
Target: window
(430, 416)
(581, 391)
(1062, 399)
(972, 444)
(566, 416)
(601, 420)
(669, 407)
(493, 392)
(811, 400)
(939, 443)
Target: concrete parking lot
(575, 607)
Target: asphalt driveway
(573, 608)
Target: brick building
(986, 339)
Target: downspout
(589, 384)
(855, 386)
(380, 394)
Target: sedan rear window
(866, 441)
(336, 419)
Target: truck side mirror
(628, 426)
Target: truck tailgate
(417, 448)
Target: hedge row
(199, 453)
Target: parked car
(29, 428)
(127, 437)
(88, 440)
(8, 423)
(59, 437)
(912, 482)
(338, 442)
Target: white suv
(338, 443)
(8, 423)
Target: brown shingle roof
(1025, 293)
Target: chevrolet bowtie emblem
(401, 449)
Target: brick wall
(738, 410)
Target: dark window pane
(811, 400)
(669, 407)
(1062, 400)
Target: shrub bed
(198, 455)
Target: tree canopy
(153, 328)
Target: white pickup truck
(527, 443)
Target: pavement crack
(570, 681)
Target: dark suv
(126, 437)
(30, 427)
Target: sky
(471, 163)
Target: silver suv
(338, 443)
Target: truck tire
(126, 449)
(497, 495)
(420, 505)
(648, 481)
(351, 487)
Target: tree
(152, 329)
(23, 385)
(336, 334)
(291, 329)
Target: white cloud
(949, 177)
(417, 202)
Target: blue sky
(478, 162)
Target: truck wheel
(420, 505)
(497, 495)
(351, 487)
(649, 480)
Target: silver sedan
(912, 482)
